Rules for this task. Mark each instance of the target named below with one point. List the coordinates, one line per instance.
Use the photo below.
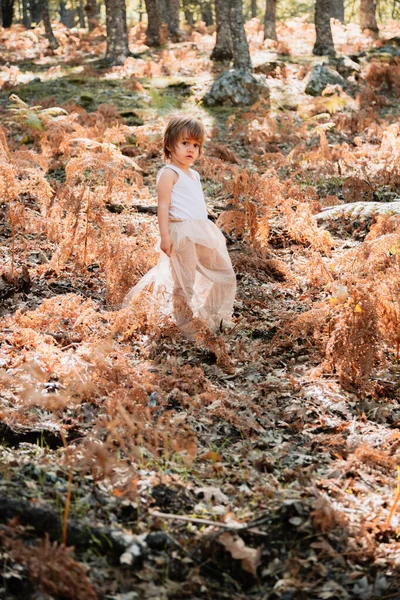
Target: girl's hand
(166, 245)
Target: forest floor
(259, 463)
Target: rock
(157, 540)
(86, 98)
(358, 210)
(344, 65)
(269, 67)
(131, 117)
(386, 53)
(236, 88)
(320, 77)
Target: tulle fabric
(197, 281)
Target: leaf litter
(260, 463)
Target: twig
(395, 501)
(247, 527)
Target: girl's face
(185, 152)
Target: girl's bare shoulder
(167, 176)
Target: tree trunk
(324, 40)
(241, 53)
(173, 21)
(67, 15)
(81, 14)
(223, 49)
(367, 16)
(253, 9)
(270, 20)
(44, 13)
(206, 14)
(26, 15)
(189, 17)
(337, 10)
(35, 11)
(92, 14)
(7, 12)
(163, 4)
(117, 34)
(153, 10)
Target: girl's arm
(164, 189)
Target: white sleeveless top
(187, 198)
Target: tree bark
(153, 10)
(189, 17)
(223, 49)
(7, 13)
(26, 15)
(270, 20)
(117, 32)
(337, 10)
(92, 14)
(35, 11)
(324, 40)
(44, 13)
(170, 15)
(367, 16)
(253, 9)
(241, 52)
(206, 14)
(81, 14)
(163, 4)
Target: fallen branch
(248, 527)
(45, 520)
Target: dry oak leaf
(249, 557)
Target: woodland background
(261, 462)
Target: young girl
(194, 271)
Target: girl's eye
(197, 145)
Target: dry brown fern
(352, 350)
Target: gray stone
(384, 53)
(320, 77)
(269, 67)
(344, 65)
(236, 88)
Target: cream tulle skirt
(197, 281)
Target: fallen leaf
(211, 456)
(249, 557)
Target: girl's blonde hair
(179, 127)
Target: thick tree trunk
(169, 10)
(253, 9)
(153, 10)
(7, 12)
(117, 34)
(241, 53)
(163, 4)
(92, 14)
(26, 15)
(223, 49)
(173, 22)
(337, 10)
(324, 41)
(367, 16)
(270, 20)
(207, 14)
(44, 13)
